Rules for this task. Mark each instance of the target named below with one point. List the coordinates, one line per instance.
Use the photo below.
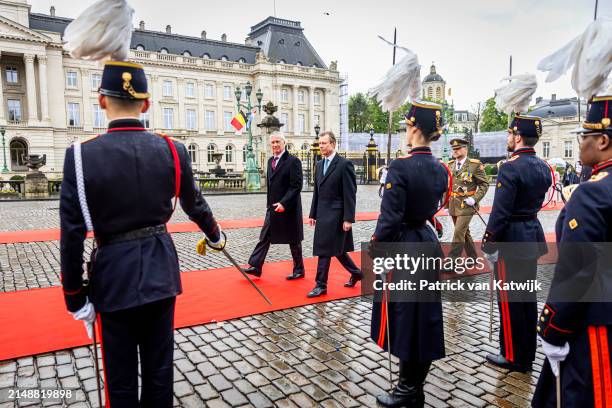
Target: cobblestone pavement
(310, 356)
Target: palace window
(284, 95)
(14, 110)
(546, 149)
(168, 118)
(567, 149)
(317, 120)
(210, 150)
(227, 93)
(208, 91)
(193, 152)
(191, 121)
(140, 47)
(301, 123)
(438, 93)
(186, 54)
(71, 79)
(227, 121)
(18, 148)
(163, 51)
(74, 116)
(317, 98)
(96, 80)
(98, 116)
(209, 120)
(284, 120)
(300, 96)
(167, 88)
(241, 60)
(190, 90)
(245, 151)
(144, 118)
(206, 55)
(224, 58)
(12, 75)
(229, 154)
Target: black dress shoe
(502, 362)
(295, 275)
(317, 291)
(403, 395)
(251, 270)
(353, 281)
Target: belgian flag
(239, 121)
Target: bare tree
(477, 112)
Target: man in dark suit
(284, 223)
(332, 213)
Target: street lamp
(253, 180)
(2, 132)
(317, 131)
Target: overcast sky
(469, 40)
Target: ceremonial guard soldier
(514, 240)
(576, 323)
(470, 184)
(414, 330)
(122, 185)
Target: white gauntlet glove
(87, 315)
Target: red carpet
(36, 321)
(13, 237)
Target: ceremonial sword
(386, 301)
(233, 261)
(95, 350)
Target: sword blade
(558, 381)
(386, 300)
(233, 261)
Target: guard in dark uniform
(130, 179)
(415, 328)
(514, 240)
(578, 334)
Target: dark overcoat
(333, 202)
(284, 186)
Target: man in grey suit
(333, 213)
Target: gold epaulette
(513, 158)
(475, 161)
(405, 157)
(599, 176)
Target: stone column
(2, 115)
(295, 110)
(201, 108)
(180, 95)
(311, 123)
(86, 92)
(42, 81)
(327, 116)
(154, 110)
(31, 88)
(220, 123)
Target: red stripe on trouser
(383, 322)
(602, 332)
(107, 404)
(501, 266)
(595, 367)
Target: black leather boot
(409, 389)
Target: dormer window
(299, 64)
(186, 54)
(281, 41)
(206, 55)
(163, 51)
(241, 60)
(282, 61)
(224, 58)
(297, 43)
(140, 47)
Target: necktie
(458, 166)
(325, 166)
(274, 161)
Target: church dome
(433, 75)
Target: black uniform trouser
(323, 268)
(518, 311)
(147, 330)
(258, 257)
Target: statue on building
(333, 66)
(261, 57)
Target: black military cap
(426, 116)
(530, 126)
(458, 142)
(598, 116)
(124, 80)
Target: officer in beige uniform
(470, 184)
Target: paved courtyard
(316, 355)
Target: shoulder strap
(78, 170)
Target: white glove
(492, 258)
(555, 355)
(470, 201)
(87, 315)
(221, 242)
